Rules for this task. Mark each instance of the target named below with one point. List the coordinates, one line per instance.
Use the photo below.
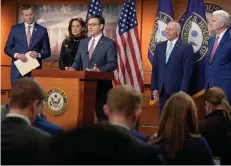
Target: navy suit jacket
(218, 72)
(47, 126)
(104, 55)
(177, 73)
(17, 43)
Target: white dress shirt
(221, 35)
(19, 116)
(173, 43)
(170, 47)
(121, 125)
(31, 27)
(96, 41)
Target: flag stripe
(122, 45)
(130, 68)
(134, 60)
(127, 59)
(121, 68)
(134, 35)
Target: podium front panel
(62, 104)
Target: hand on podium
(94, 69)
(69, 68)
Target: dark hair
(24, 92)
(83, 25)
(99, 17)
(26, 7)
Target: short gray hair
(223, 16)
(178, 26)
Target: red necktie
(91, 49)
(28, 35)
(215, 45)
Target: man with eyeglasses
(97, 53)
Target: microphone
(84, 58)
(57, 60)
(53, 63)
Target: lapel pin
(35, 29)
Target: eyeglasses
(92, 25)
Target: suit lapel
(87, 43)
(34, 34)
(225, 36)
(174, 50)
(23, 34)
(164, 50)
(99, 44)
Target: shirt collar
(221, 35)
(174, 41)
(121, 125)
(97, 37)
(19, 116)
(32, 25)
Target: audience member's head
(178, 123)
(26, 98)
(216, 99)
(123, 105)
(101, 143)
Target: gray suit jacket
(104, 55)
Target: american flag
(94, 8)
(130, 69)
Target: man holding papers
(27, 43)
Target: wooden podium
(77, 91)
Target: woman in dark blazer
(178, 136)
(77, 31)
(216, 124)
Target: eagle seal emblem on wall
(56, 102)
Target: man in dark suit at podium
(173, 65)
(97, 54)
(27, 37)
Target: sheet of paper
(28, 66)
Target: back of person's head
(100, 143)
(123, 100)
(215, 98)
(178, 123)
(95, 144)
(26, 94)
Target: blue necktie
(169, 50)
